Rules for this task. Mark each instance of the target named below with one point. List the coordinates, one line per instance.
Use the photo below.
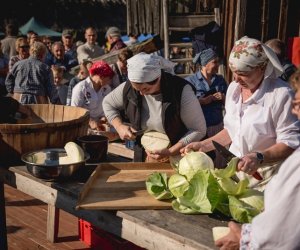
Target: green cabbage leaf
(156, 185)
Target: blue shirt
(66, 62)
(213, 111)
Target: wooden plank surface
(26, 224)
(152, 229)
(115, 186)
(120, 149)
(171, 229)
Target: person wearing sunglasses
(30, 81)
(22, 48)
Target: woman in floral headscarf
(258, 124)
(90, 93)
(274, 228)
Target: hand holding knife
(228, 156)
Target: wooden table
(151, 229)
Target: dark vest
(171, 90)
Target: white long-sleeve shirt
(85, 96)
(261, 121)
(191, 113)
(278, 227)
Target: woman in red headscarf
(90, 92)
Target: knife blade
(135, 133)
(139, 132)
(228, 156)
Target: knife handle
(257, 176)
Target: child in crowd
(81, 75)
(60, 83)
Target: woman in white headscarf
(155, 100)
(277, 227)
(258, 124)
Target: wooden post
(264, 20)
(282, 23)
(128, 15)
(52, 223)
(3, 231)
(240, 19)
(229, 27)
(166, 28)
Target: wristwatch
(260, 157)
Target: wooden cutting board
(117, 186)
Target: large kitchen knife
(228, 156)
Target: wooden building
(260, 19)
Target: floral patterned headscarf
(248, 53)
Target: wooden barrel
(48, 126)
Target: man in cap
(68, 42)
(113, 36)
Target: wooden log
(190, 21)
(151, 45)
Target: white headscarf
(248, 53)
(143, 68)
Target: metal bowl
(46, 165)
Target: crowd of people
(36, 69)
(255, 115)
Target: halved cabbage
(220, 232)
(74, 153)
(155, 141)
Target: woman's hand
(248, 164)
(98, 125)
(194, 146)
(158, 154)
(125, 132)
(232, 240)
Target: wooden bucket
(49, 126)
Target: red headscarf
(102, 69)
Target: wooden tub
(49, 126)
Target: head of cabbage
(192, 162)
